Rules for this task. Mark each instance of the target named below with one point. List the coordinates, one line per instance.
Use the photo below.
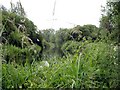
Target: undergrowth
(95, 67)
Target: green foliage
(20, 40)
(76, 33)
(30, 27)
(71, 47)
(21, 56)
(103, 58)
(95, 67)
(87, 31)
(48, 35)
(62, 36)
(104, 23)
(111, 21)
(15, 39)
(16, 77)
(80, 57)
(1, 66)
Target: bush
(14, 54)
(95, 67)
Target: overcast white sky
(67, 12)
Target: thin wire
(53, 14)
(54, 7)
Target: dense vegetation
(80, 57)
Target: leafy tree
(76, 33)
(20, 34)
(90, 31)
(110, 20)
(86, 31)
(71, 47)
(48, 35)
(61, 36)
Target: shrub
(95, 67)
(14, 54)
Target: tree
(86, 31)
(76, 33)
(20, 37)
(110, 20)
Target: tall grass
(0, 66)
(95, 67)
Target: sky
(67, 14)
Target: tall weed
(95, 67)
